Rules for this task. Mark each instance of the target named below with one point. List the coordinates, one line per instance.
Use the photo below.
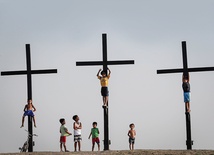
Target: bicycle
(25, 146)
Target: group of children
(77, 126)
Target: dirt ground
(135, 152)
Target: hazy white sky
(150, 32)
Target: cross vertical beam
(189, 141)
(105, 64)
(185, 70)
(105, 110)
(29, 73)
(104, 39)
(29, 88)
(184, 52)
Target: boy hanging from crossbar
(104, 85)
(186, 89)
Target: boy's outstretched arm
(188, 77)
(98, 72)
(109, 71)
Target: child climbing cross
(28, 111)
(186, 89)
(104, 85)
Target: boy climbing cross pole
(28, 111)
(186, 89)
(104, 85)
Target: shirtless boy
(28, 111)
(131, 134)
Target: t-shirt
(186, 86)
(95, 132)
(104, 81)
(63, 130)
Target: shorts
(186, 97)
(131, 140)
(96, 139)
(63, 139)
(29, 113)
(104, 91)
(77, 138)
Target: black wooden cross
(29, 72)
(185, 70)
(105, 64)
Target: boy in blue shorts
(28, 111)
(186, 89)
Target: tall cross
(29, 72)
(105, 64)
(185, 70)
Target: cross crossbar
(47, 71)
(98, 63)
(180, 70)
(185, 68)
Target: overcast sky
(150, 32)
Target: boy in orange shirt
(104, 85)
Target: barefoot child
(77, 126)
(104, 86)
(131, 134)
(95, 136)
(28, 111)
(64, 132)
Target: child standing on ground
(131, 134)
(64, 132)
(77, 126)
(95, 136)
(28, 111)
(104, 85)
(186, 89)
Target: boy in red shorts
(64, 132)
(95, 136)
